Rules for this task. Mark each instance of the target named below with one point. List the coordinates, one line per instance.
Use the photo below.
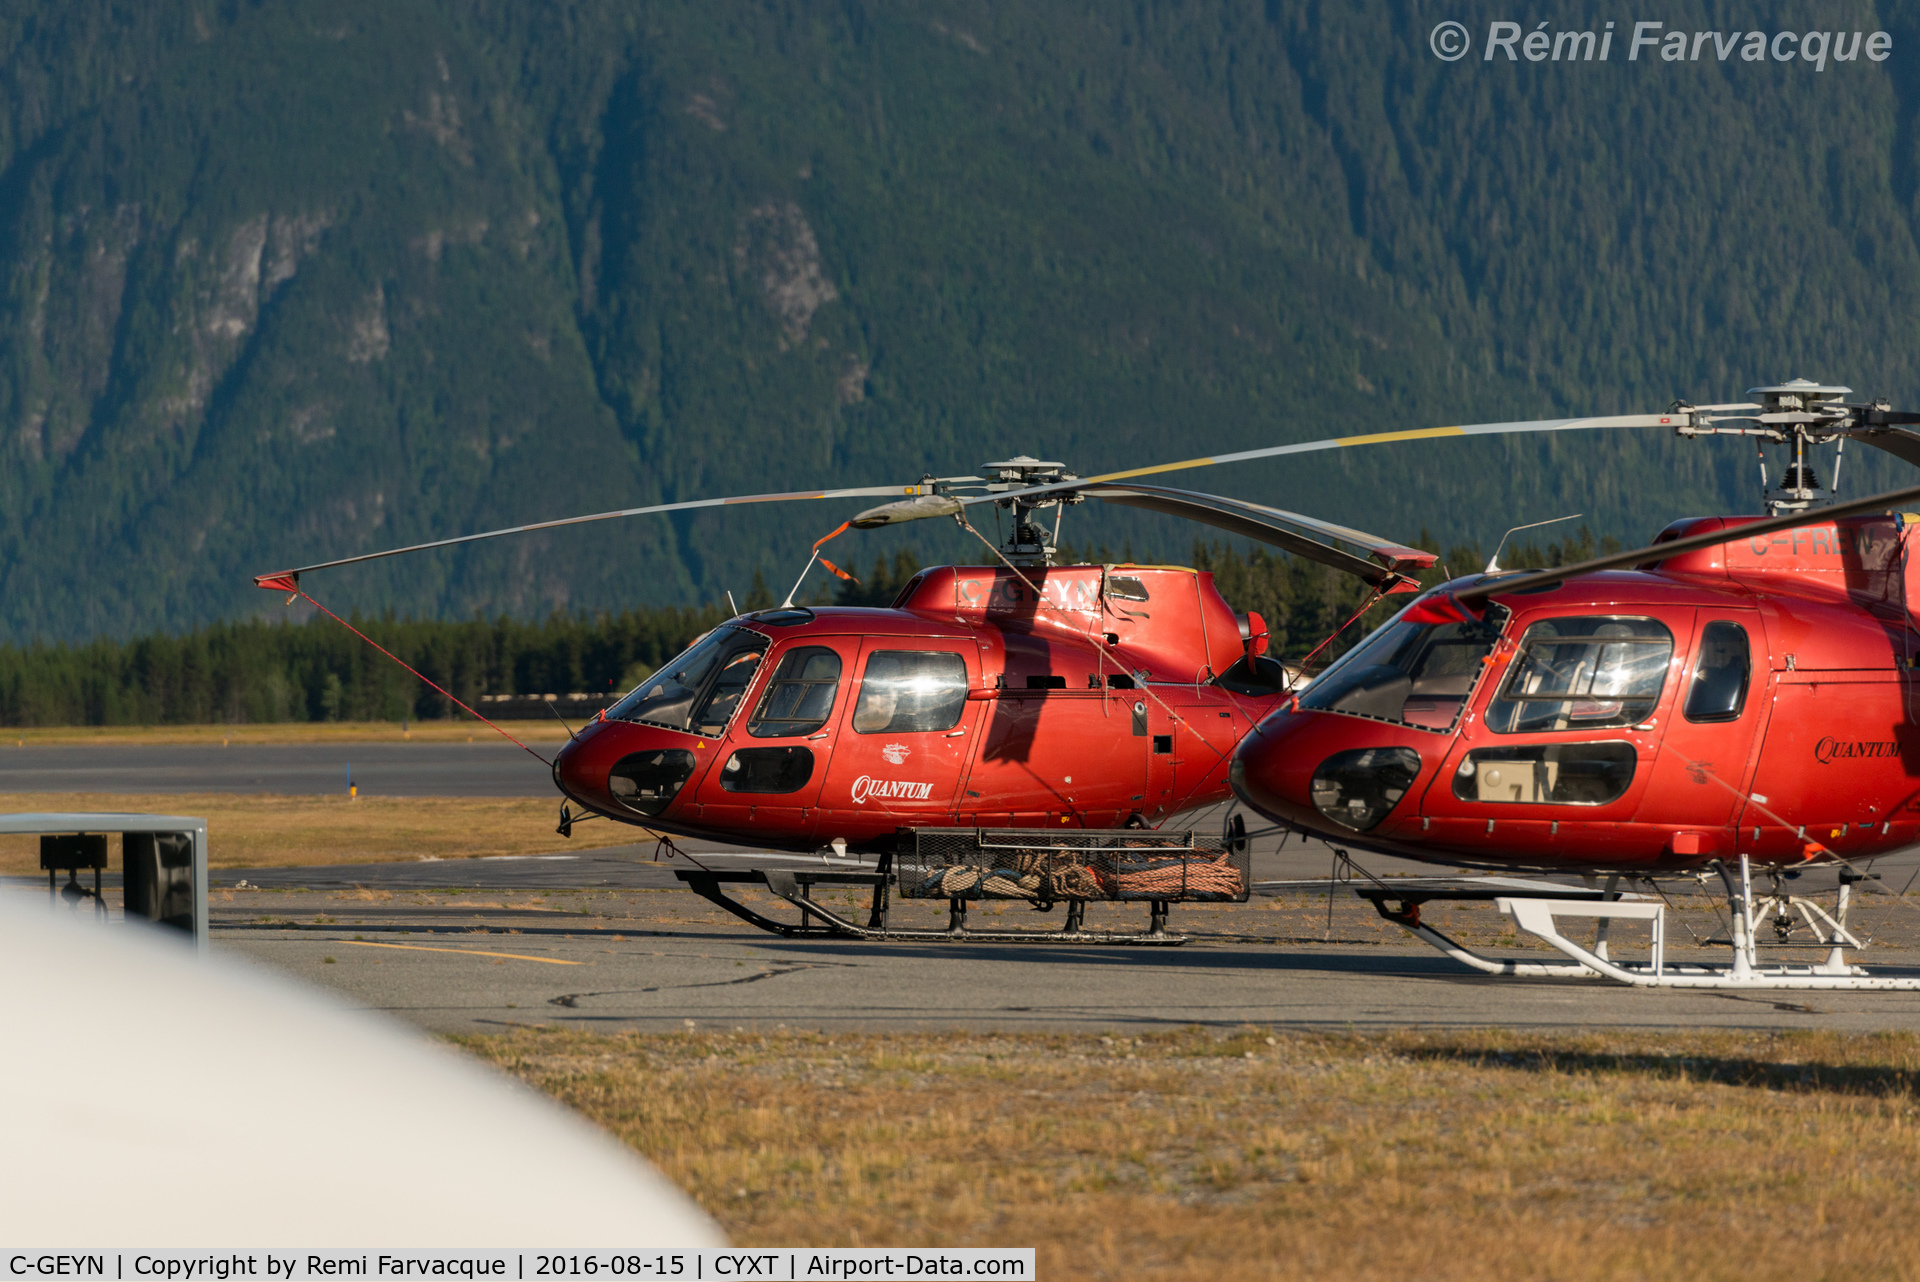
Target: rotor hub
(1797, 414)
(1798, 394)
(1030, 544)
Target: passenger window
(1124, 587)
(911, 690)
(1721, 671)
(1581, 674)
(767, 770)
(799, 699)
(1558, 774)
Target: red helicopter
(1739, 695)
(990, 723)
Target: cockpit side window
(1583, 674)
(730, 682)
(800, 697)
(1721, 672)
(699, 690)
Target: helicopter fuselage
(968, 702)
(1755, 698)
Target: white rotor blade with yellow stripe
(1348, 442)
(283, 579)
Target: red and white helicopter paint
(1741, 696)
(1625, 724)
(1017, 697)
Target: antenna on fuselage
(1493, 562)
(802, 579)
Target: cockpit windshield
(1418, 674)
(700, 690)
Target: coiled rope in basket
(1059, 874)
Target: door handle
(952, 733)
(823, 734)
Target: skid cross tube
(1406, 914)
(1538, 915)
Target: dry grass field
(253, 831)
(452, 731)
(1207, 1156)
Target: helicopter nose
(1324, 773)
(623, 770)
(1266, 774)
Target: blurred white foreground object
(151, 1098)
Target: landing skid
(820, 922)
(1538, 917)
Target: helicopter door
(1059, 754)
(770, 766)
(1558, 736)
(1706, 745)
(1837, 764)
(905, 737)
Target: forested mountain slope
(287, 281)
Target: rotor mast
(1030, 544)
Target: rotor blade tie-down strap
(843, 527)
(1378, 593)
(282, 586)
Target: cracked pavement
(610, 941)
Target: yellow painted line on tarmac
(471, 952)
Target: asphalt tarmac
(661, 961)
(484, 768)
(608, 940)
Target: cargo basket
(1046, 866)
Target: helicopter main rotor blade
(282, 580)
(1903, 445)
(1236, 516)
(1883, 429)
(1507, 584)
(915, 509)
(1271, 526)
(1346, 442)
